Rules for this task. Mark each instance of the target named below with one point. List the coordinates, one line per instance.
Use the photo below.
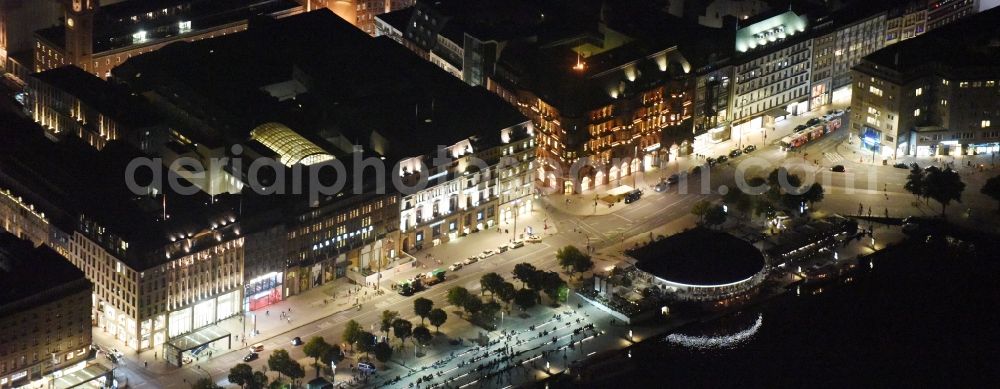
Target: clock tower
(79, 16)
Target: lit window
(916, 112)
(963, 84)
(984, 123)
(990, 83)
(918, 92)
(944, 82)
(875, 91)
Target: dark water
(925, 316)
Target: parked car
(901, 166)
(721, 159)
(837, 112)
(673, 179)
(257, 347)
(633, 196)
(735, 153)
(711, 161)
(471, 260)
(749, 149)
(250, 357)
(517, 244)
(486, 254)
(813, 122)
(296, 341)
(534, 239)
(801, 127)
(455, 266)
(503, 248)
(837, 168)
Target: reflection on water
(924, 317)
(709, 341)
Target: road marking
(833, 157)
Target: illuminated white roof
(290, 146)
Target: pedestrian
(145, 364)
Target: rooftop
(973, 42)
(101, 95)
(700, 257)
(70, 182)
(133, 22)
(27, 271)
(357, 88)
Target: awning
(82, 376)
(777, 112)
(198, 338)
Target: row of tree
(244, 375)
(941, 185)
(573, 261)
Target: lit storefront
(262, 291)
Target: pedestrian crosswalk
(833, 157)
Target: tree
(385, 324)
(241, 374)
(551, 284)
(943, 186)
(473, 305)
(506, 293)
(992, 188)
(351, 331)
(490, 282)
(437, 317)
(422, 307)
(280, 362)
(915, 181)
(332, 356)
(422, 335)
(316, 347)
(700, 209)
(259, 381)
(457, 296)
(382, 351)
(525, 298)
(366, 342)
(715, 216)
(402, 329)
(205, 383)
(814, 194)
(573, 260)
(489, 311)
(524, 272)
(583, 264)
(295, 372)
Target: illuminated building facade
(480, 182)
(362, 13)
(906, 21)
(97, 38)
(840, 41)
(937, 94)
(942, 12)
(160, 267)
(45, 313)
(68, 101)
(600, 106)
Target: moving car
(735, 153)
(486, 254)
(471, 260)
(257, 347)
(711, 161)
(455, 266)
(296, 341)
(837, 169)
(517, 244)
(749, 149)
(503, 248)
(673, 179)
(250, 357)
(661, 186)
(901, 166)
(534, 239)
